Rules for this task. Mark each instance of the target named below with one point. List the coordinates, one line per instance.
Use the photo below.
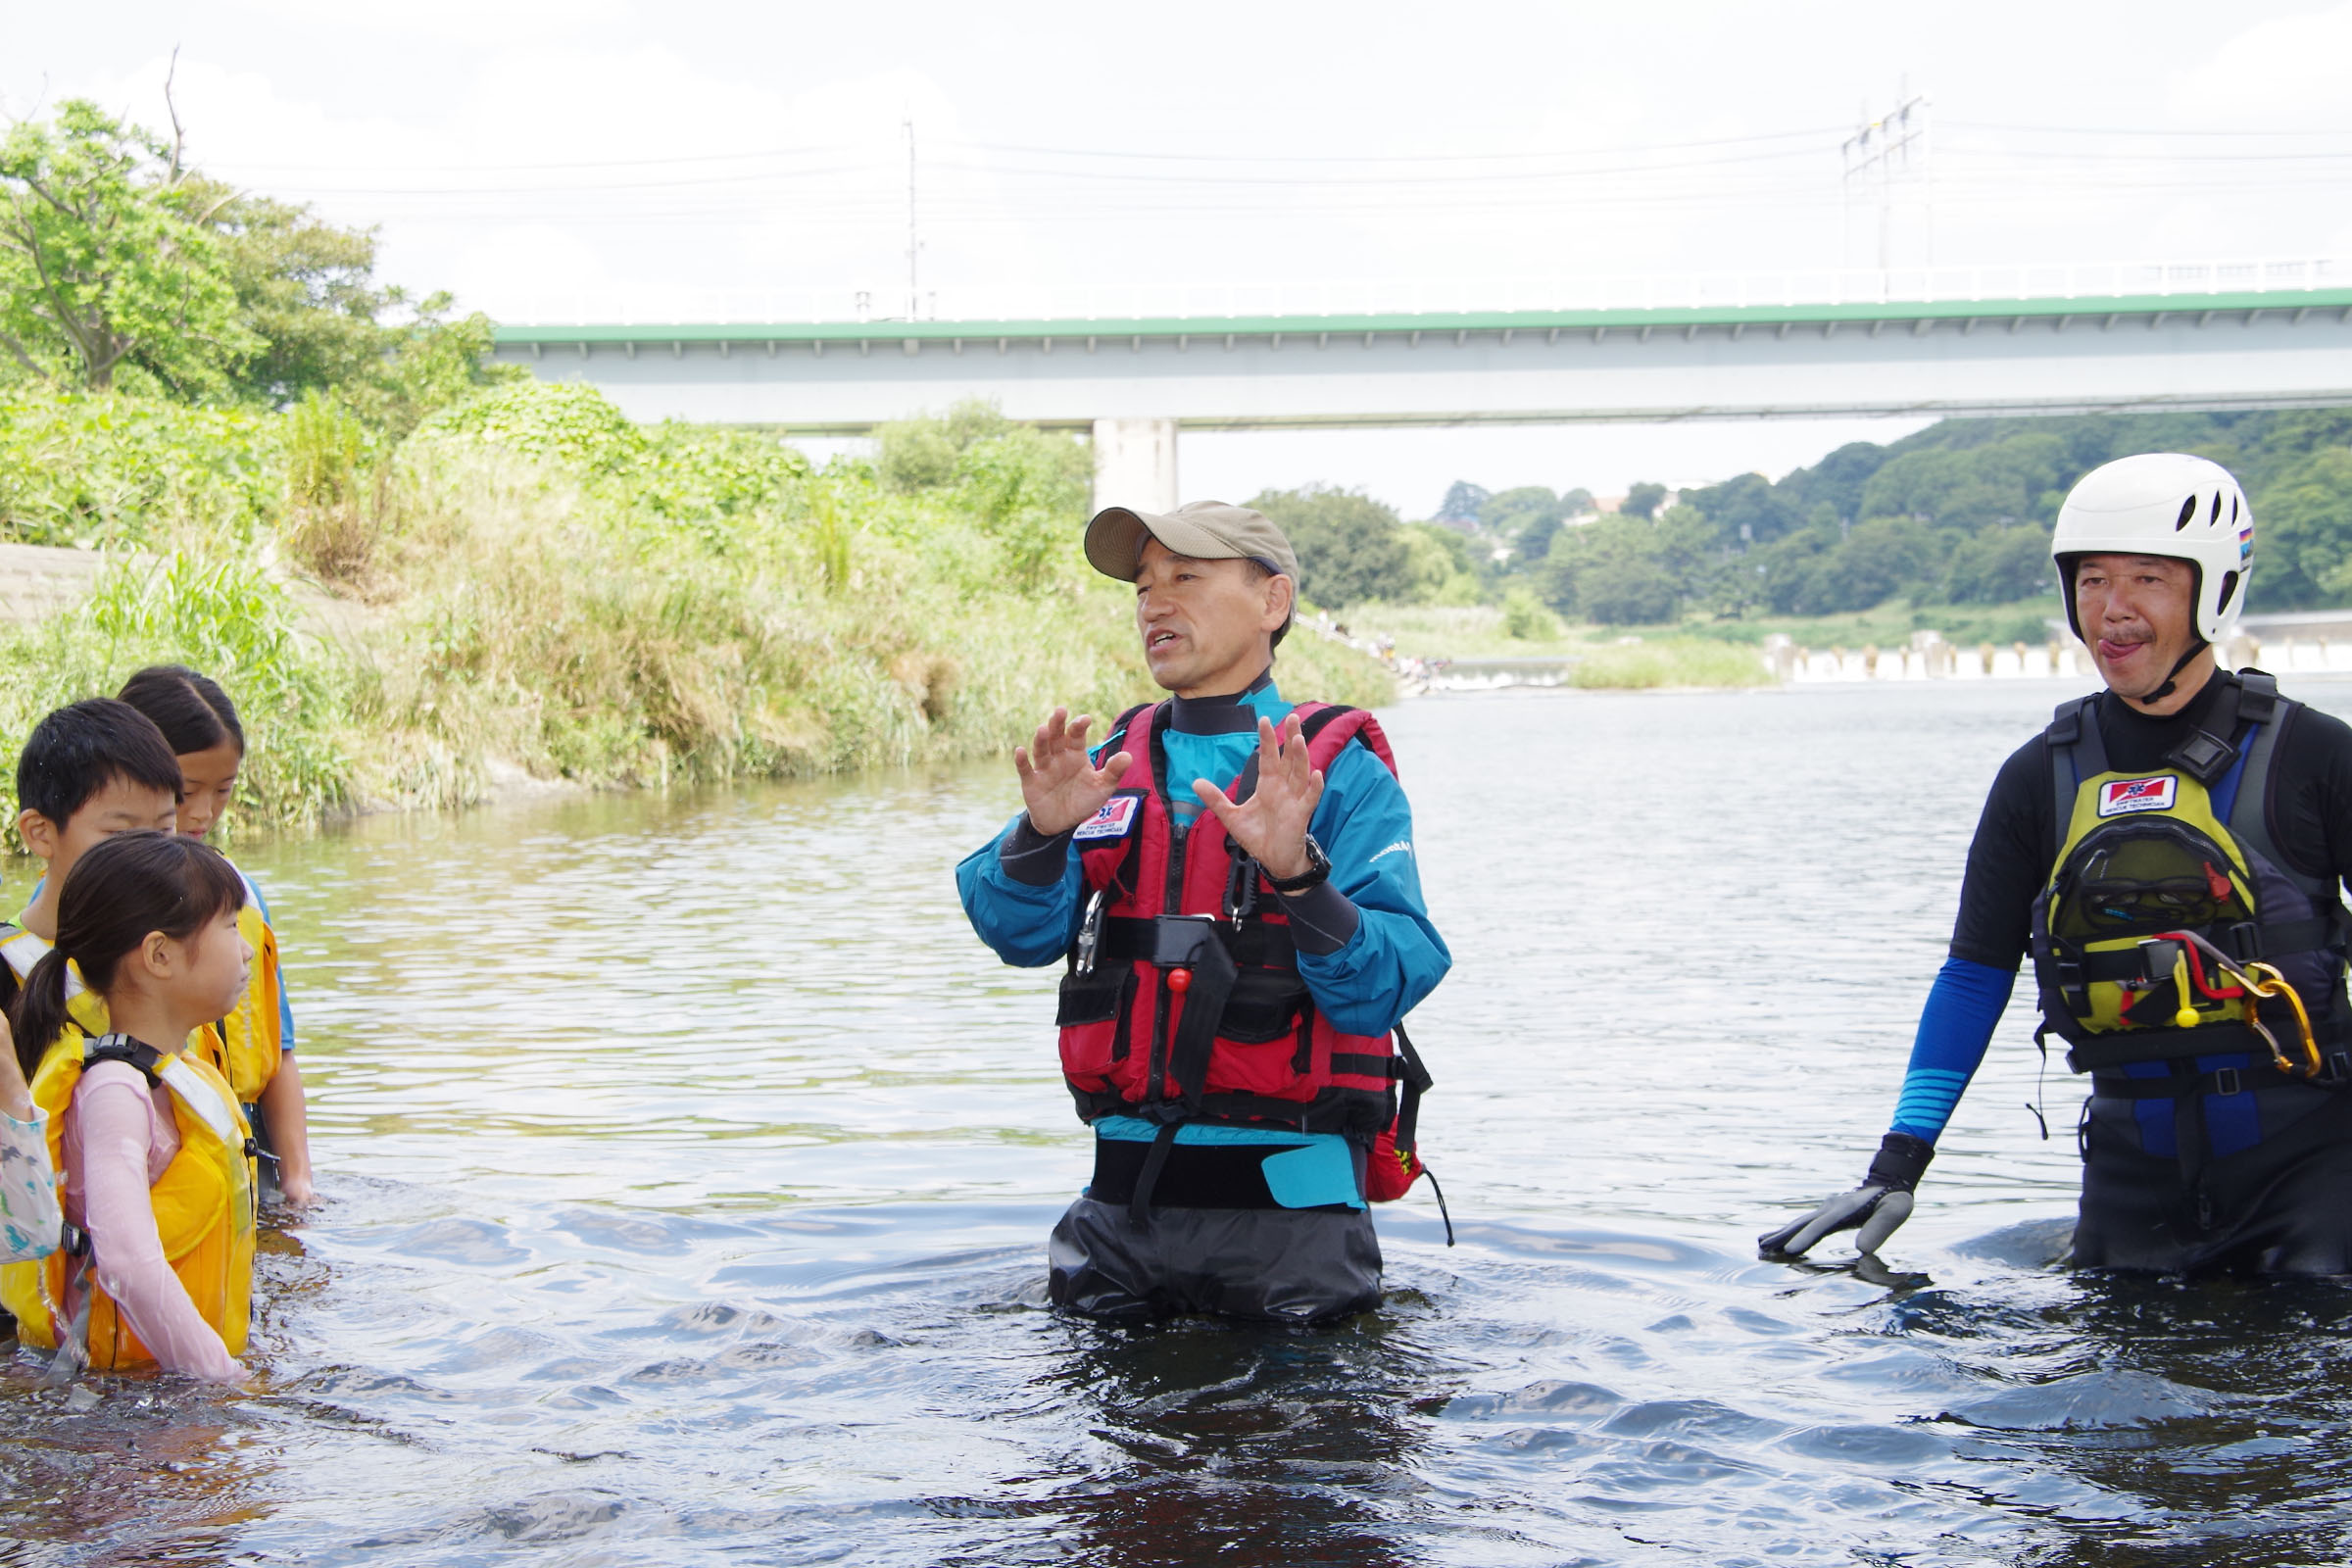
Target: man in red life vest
(1230, 883)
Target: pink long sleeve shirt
(120, 1136)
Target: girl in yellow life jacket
(154, 1158)
(255, 1041)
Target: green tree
(1445, 570)
(2303, 534)
(926, 453)
(1351, 547)
(305, 289)
(1644, 500)
(1629, 571)
(1464, 504)
(1999, 566)
(107, 262)
(1525, 519)
(1747, 510)
(2019, 479)
(1628, 592)
(1028, 492)
(430, 362)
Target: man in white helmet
(2169, 852)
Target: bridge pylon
(1135, 465)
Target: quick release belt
(2184, 1080)
(1174, 941)
(2245, 942)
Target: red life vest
(1183, 999)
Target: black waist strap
(2245, 943)
(1187, 1175)
(2096, 1052)
(2222, 1081)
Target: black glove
(1881, 1204)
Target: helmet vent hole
(2235, 499)
(2188, 509)
(2220, 606)
(2217, 509)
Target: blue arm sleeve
(1395, 957)
(1954, 1028)
(1024, 925)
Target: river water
(687, 1167)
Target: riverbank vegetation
(420, 576)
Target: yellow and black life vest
(2185, 848)
(203, 1207)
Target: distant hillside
(1961, 512)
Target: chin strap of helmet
(2172, 676)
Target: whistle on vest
(1179, 942)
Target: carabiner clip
(1241, 890)
(1089, 931)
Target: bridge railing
(1426, 296)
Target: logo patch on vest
(2124, 795)
(1115, 820)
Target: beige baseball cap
(1206, 530)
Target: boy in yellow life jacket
(254, 1043)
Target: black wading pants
(2282, 1206)
(1208, 1239)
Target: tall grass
(550, 588)
(223, 616)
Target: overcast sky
(607, 159)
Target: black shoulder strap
(2077, 753)
(124, 1049)
(2250, 811)
(2257, 695)
(1418, 1081)
(1316, 722)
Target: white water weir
(2230, 336)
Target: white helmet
(2163, 503)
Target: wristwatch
(1318, 866)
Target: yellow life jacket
(249, 1044)
(2185, 847)
(203, 1207)
(21, 950)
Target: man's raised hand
(1271, 825)
(1059, 784)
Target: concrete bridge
(1135, 383)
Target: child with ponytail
(152, 1154)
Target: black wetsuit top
(2310, 813)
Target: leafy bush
(569, 423)
(1524, 617)
(90, 469)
